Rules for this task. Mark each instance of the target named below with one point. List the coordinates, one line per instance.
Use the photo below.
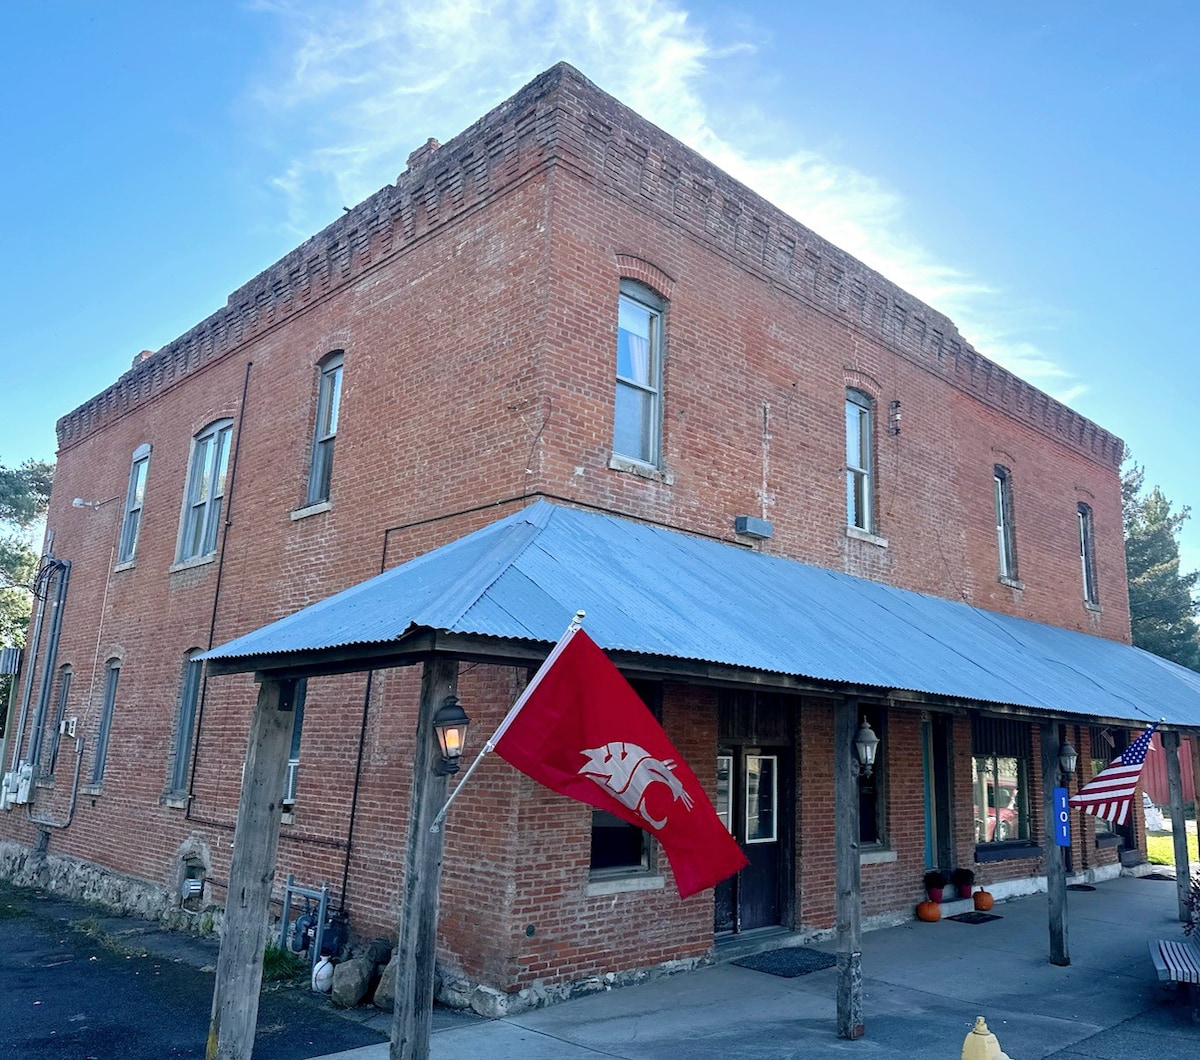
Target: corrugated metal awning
(654, 592)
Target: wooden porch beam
(251, 874)
(847, 871)
(1183, 881)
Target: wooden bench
(1178, 962)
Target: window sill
(598, 887)
(876, 856)
(195, 561)
(1109, 840)
(316, 508)
(1091, 605)
(858, 534)
(128, 564)
(630, 466)
(1006, 851)
(91, 789)
(175, 802)
(1012, 583)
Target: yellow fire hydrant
(981, 1044)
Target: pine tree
(24, 494)
(1162, 601)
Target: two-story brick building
(774, 480)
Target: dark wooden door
(751, 800)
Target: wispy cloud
(357, 84)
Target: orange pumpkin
(930, 912)
(983, 901)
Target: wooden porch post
(1056, 871)
(247, 905)
(1183, 881)
(847, 872)
(416, 928)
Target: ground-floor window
(617, 845)
(1000, 777)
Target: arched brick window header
(634, 268)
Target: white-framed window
(185, 724)
(860, 460)
(292, 780)
(1006, 542)
(724, 800)
(204, 495)
(1087, 554)
(135, 498)
(762, 798)
(637, 409)
(112, 673)
(329, 397)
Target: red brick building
(561, 303)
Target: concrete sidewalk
(924, 984)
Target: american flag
(1110, 792)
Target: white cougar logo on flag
(627, 770)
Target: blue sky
(1027, 168)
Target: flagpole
(514, 710)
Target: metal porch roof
(658, 592)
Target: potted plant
(935, 883)
(963, 880)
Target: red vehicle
(1002, 821)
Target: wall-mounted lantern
(866, 743)
(450, 723)
(1067, 758)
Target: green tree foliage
(24, 494)
(1162, 601)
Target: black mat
(789, 962)
(975, 918)
(1080, 887)
(1157, 876)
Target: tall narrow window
(134, 499)
(637, 415)
(60, 716)
(185, 724)
(1006, 545)
(100, 751)
(860, 470)
(292, 783)
(1087, 555)
(1001, 752)
(872, 803)
(329, 396)
(205, 492)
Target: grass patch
(1160, 849)
(280, 965)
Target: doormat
(1080, 887)
(975, 918)
(1157, 876)
(789, 962)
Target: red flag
(580, 730)
(1109, 793)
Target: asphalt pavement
(81, 986)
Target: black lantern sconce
(450, 723)
(866, 743)
(1067, 759)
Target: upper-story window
(637, 415)
(135, 497)
(205, 492)
(860, 461)
(329, 396)
(1087, 554)
(1006, 542)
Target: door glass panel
(724, 807)
(761, 799)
